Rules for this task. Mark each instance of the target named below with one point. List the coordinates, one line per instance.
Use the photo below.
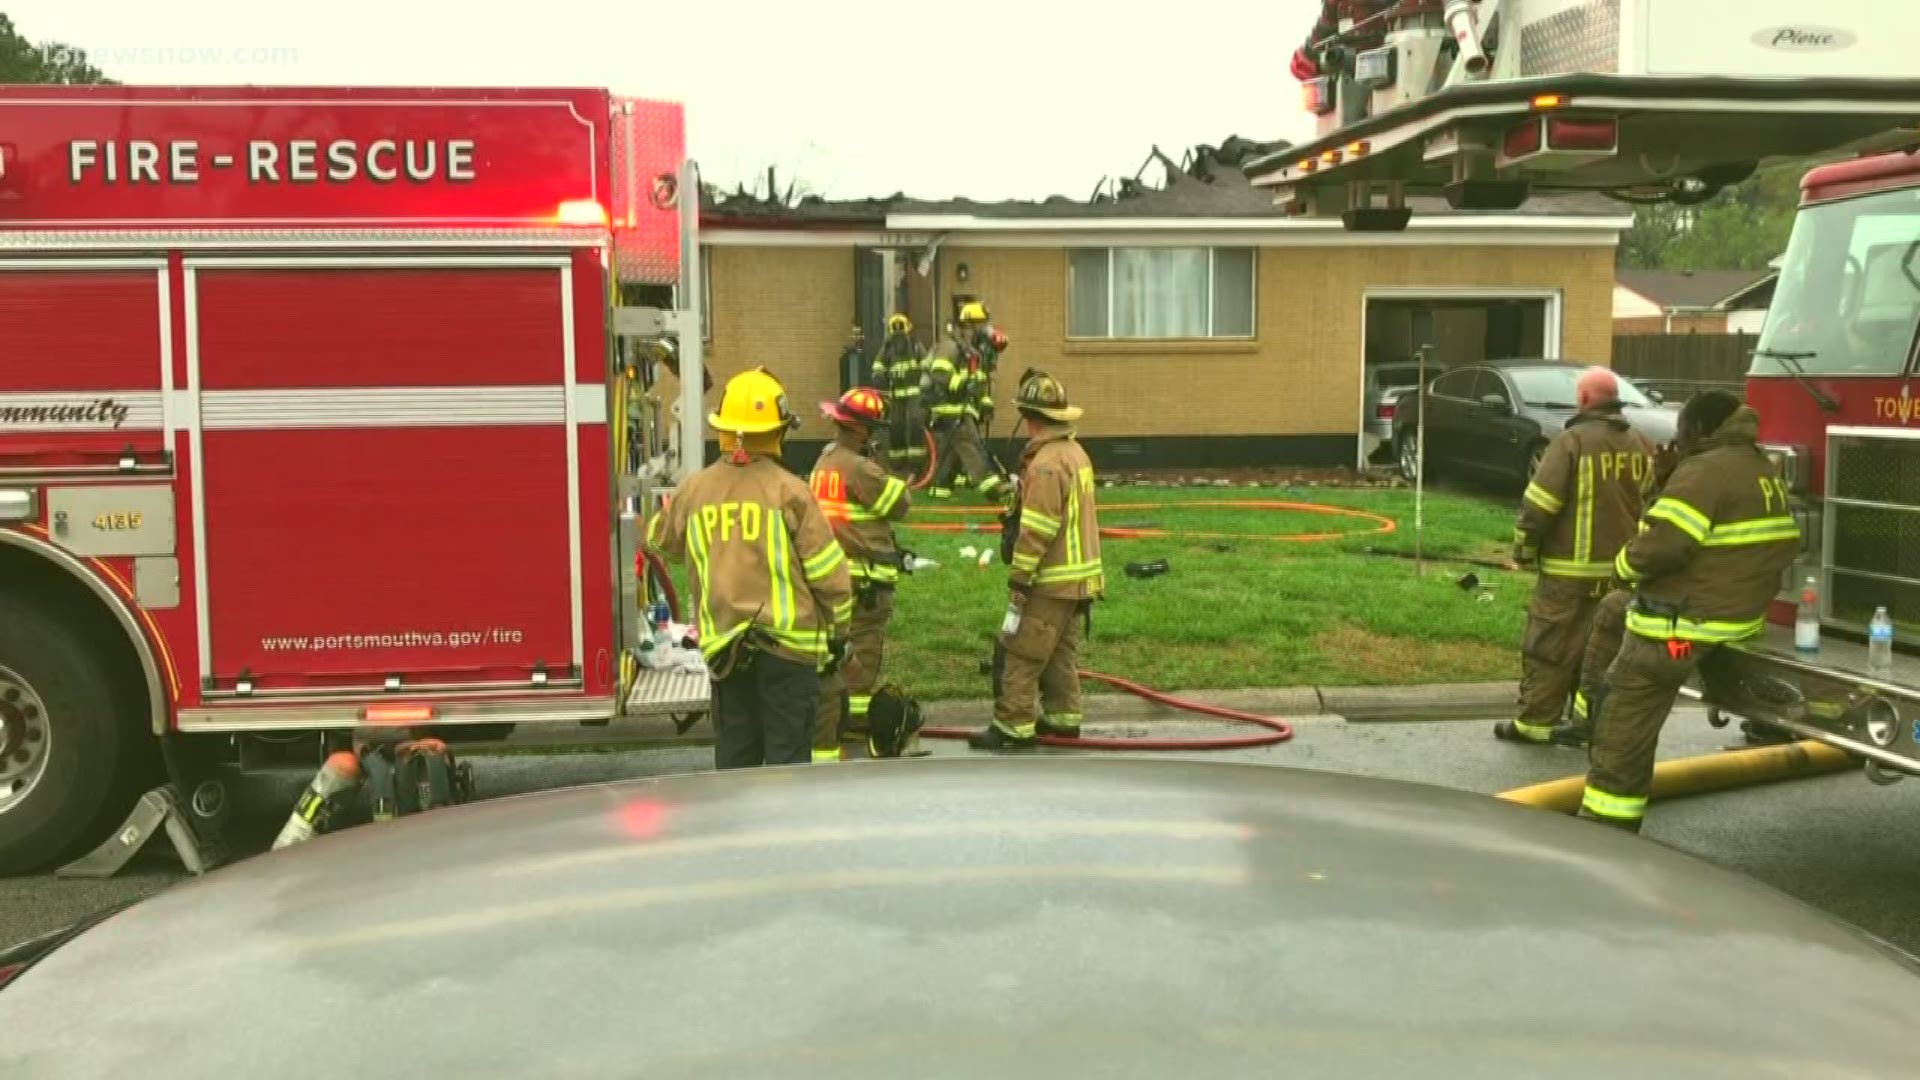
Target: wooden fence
(1677, 365)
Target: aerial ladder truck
(1492, 103)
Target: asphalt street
(1835, 842)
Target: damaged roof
(1210, 182)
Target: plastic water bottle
(1806, 625)
(1880, 645)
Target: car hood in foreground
(1045, 917)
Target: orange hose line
(1380, 525)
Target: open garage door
(1459, 327)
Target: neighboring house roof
(1692, 290)
(1211, 184)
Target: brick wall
(789, 307)
(1301, 374)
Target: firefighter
(897, 370)
(1581, 505)
(1054, 575)
(1608, 626)
(770, 582)
(1703, 572)
(859, 499)
(959, 391)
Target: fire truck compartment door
(386, 472)
(87, 358)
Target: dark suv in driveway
(1497, 417)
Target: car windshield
(1849, 292)
(1553, 387)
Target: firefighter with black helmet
(1581, 504)
(1054, 575)
(770, 583)
(897, 370)
(1703, 573)
(860, 501)
(959, 393)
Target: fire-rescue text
(267, 161)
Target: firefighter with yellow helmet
(897, 371)
(959, 396)
(770, 584)
(861, 501)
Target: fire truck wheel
(63, 740)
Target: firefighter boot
(1631, 825)
(1057, 728)
(993, 737)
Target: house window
(1160, 292)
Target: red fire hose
(1277, 731)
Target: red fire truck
(1488, 103)
(304, 424)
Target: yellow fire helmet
(754, 402)
(973, 312)
(899, 324)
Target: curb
(1358, 704)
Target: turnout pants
(1551, 649)
(763, 711)
(845, 693)
(906, 444)
(1604, 634)
(1642, 686)
(1041, 676)
(959, 450)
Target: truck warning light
(268, 161)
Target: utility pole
(1420, 467)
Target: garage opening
(1458, 327)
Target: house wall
(1291, 395)
(1628, 304)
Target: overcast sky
(989, 99)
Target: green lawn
(1244, 611)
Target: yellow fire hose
(1699, 775)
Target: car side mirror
(1656, 397)
(1495, 402)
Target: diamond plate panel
(1581, 39)
(656, 692)
(649, 139)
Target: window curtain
(1160, 292)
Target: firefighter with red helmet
(770, 582)
(959, 384)
(860, 500)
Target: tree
(21, 61)
(1742, 228)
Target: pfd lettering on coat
(729, 521)
(1622, 465)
